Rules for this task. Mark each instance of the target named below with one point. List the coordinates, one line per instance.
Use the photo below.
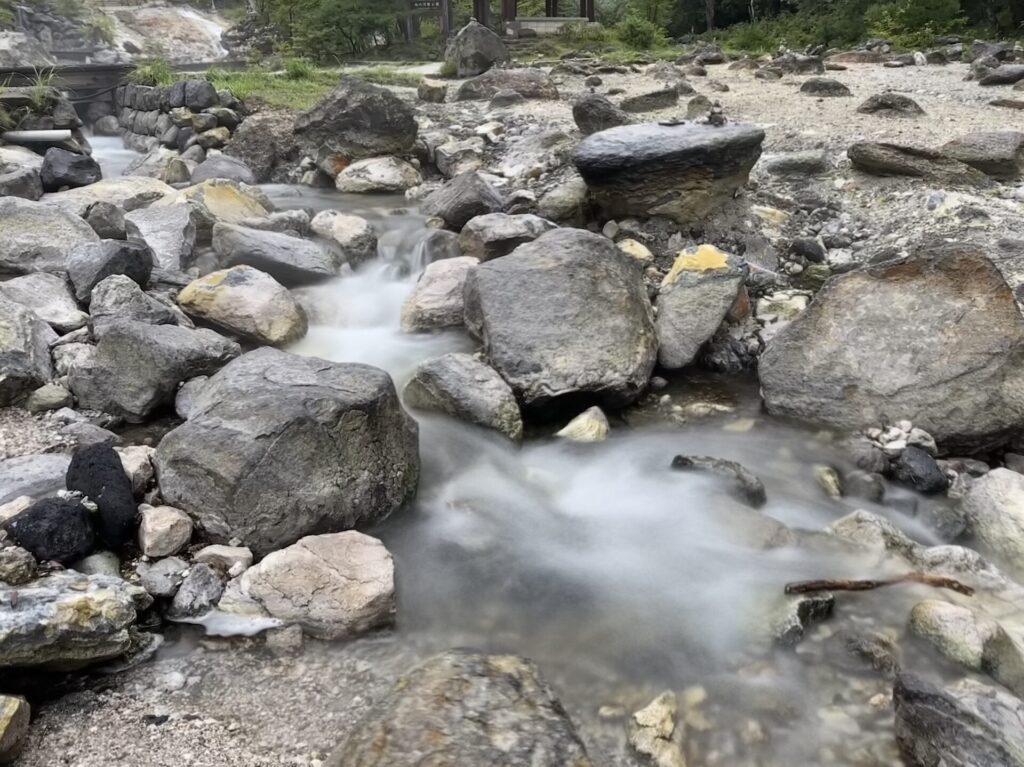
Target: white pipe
(35, 136)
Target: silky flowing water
(619, 576)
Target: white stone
(378, 174)
(137, 463)
(334, 586)
(955, 631)
(163, 530)
(353, 234)
(225, 557)
(994, 507)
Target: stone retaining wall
(178, 116)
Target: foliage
(279, 91)
(153, 72)
(7, 121)
(914, 23)
(101, 29)
(41, 88)
(298, 69)
(448, 69)
(6, 14)
(640, 34)
(388, 76)
(581, 34)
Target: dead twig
(938, 581)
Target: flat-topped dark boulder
(883, 159)
(679, 171)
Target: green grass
(153, 72)
(277, 90)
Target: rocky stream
(502, 423)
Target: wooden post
(481, 11)
(447, 20)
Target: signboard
(427, 5)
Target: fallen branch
(938, 581)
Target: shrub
(448, 69)
(101, 29)
(583, 33)
(914, 23)
(153, 72)
(640, 34)
(298, 69)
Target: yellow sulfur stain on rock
(703, 258)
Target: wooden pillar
(481, 11)
(587, 10)
(508, 10)
(551, 8)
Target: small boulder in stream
(744, 484)
(436, 712)
(564, 316)
(465, 387)
(693, 300)
(289, 260)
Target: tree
(709, 13)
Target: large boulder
(289, 260)
(474, 50)
(357, 120)
(594, 113)
(278, 447)
(999, 154)
(693, 300)
(246, 302)
(566, 315)
(62, 168)
(969, 723)
(67, 620)
(88, 265)
(334, 586)
(462, 198)
(49, 296)
(462, 386)
(464, 709)
(528, 83)
(497, 234)
(24, 351)
(1003, 75)
(436, 302)
(36, 238)
(136, 367)
(884, 159)
(937, 339)
(170, 232)
(679, 171)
